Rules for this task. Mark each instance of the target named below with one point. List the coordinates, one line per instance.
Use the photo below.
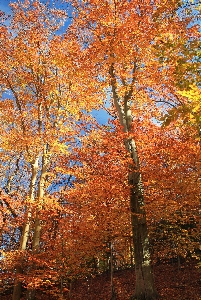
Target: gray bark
(144, 286)
(31, 294)
(25, 233)
(41, 190)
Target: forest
(100, 150)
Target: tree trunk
(31, 294)
(113, 294)
(144, 286)
(25, 233)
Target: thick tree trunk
(144, 288)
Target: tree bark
(25, 233)
(144, 286)
(31, 294)
(41, 191)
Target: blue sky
(4, 6)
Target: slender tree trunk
(113, 295)
(41, 191)
(70, 289)
(25, 232)
(31, 294)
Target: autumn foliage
(76, 194)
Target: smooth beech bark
(31, 294)
(25, 233)
(144, 287)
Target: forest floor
(171, 284)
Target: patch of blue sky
(6, 94)
(190, 8)
(4, 6)
(17, 179)
(61, 181)
(101, 116)
(61, 5)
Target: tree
(119, 39)
(36, 88)
(121, 53)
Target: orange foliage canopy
(50, 83)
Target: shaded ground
(171, 284)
